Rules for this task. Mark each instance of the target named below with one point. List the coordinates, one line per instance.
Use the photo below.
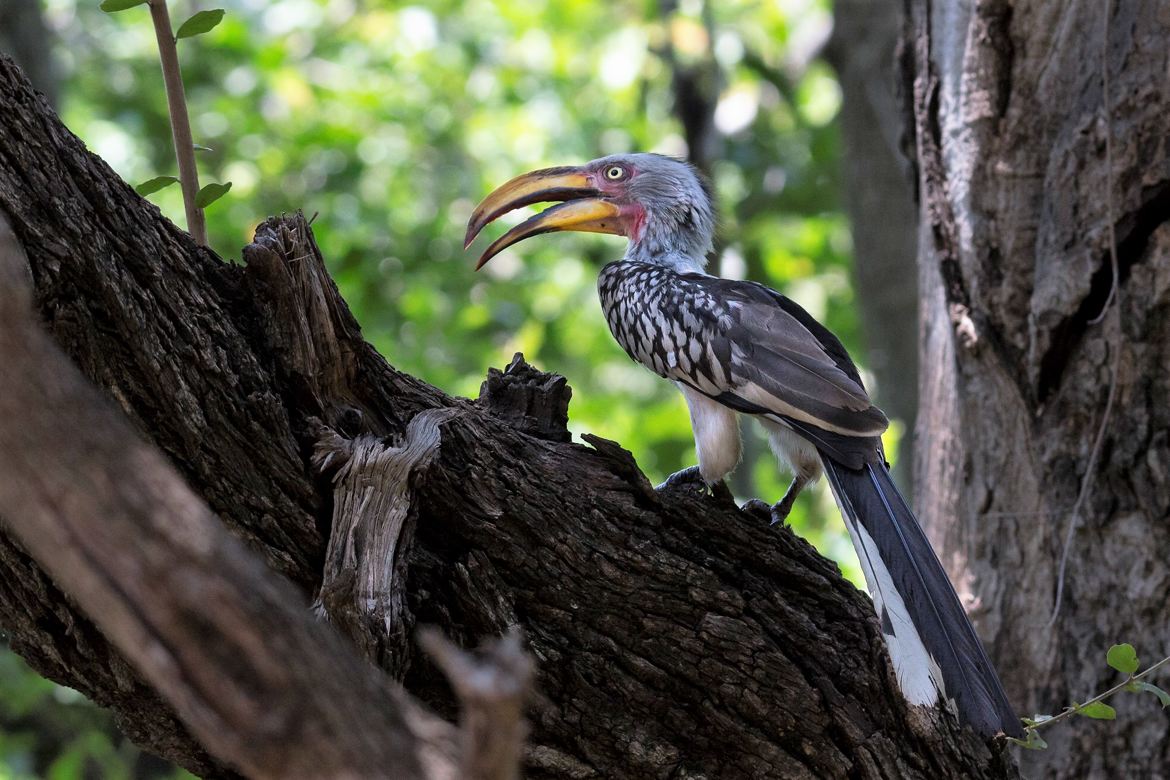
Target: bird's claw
(691, 476)
(721, 493)
(754, 506)
(776, 514)
(782, 508)
(780, 515)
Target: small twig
(180, 124)
(492, 687)
(1069, 711)
(1114, 301)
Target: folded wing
(765, 355)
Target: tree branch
(265, 687)
(673, 633)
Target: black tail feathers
(869, 500)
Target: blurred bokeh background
(390, 121)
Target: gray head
(661, 204)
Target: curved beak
(584, 211)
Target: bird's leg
(778, 512)
(782, 507)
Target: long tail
(932, 644)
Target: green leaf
(1123, 658)
(1099, 710)
(113, 6)
(1033, 742)
(154, 185)
(202, 22)
(211, 193)
(201, 148)
(1154, 689)
(1036, 720)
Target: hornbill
(737, 347)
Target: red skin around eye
(633, 214)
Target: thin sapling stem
(180, 124)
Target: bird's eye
(615, 172)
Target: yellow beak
(585, 210)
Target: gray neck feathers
(677, 236)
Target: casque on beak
(584, 210)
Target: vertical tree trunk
(1022, 335)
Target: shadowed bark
(674, 636)
(261, 684)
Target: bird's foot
(688, 476)
(691, 476)
(721, 493)
(757, 508)
(782, 508)
(775, 513)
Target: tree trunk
(674, 636)
(1030, 172)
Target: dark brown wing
(775, 358)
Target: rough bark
(674, 636)
(1020, 334)
(262, 685)
(880, 202)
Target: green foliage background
(389, 122)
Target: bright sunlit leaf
(1123, 658)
